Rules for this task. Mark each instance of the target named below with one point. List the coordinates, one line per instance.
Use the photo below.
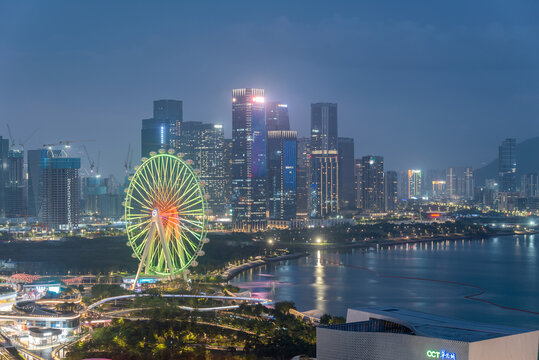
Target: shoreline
(231, 273)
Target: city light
(258, 99)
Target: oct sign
(441, 354)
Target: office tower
(324, 197)
(324, 127)
(529, 185)
(324, 185)
(414, 184)
(277, 116)
(346, 173)
(4, 173)
(14, 185)
(171, 113)
(459, 182)
(372, 183)
(281, 174)
(227, 159)
(164, 129)
(391, 183)
(189, 140)
(60, 189)
(507, 165)
(249, 157)
(303, 177)
(210, 158)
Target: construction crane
(67, 144)
(127, 162)
(10, 136)
(90, 161)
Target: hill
(527, 162)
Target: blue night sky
(423, 83)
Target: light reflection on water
(506, 267)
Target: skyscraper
(414, 184)
(324, 192)
(346, 172)
(529, 185)
(324, 127)
(281, 174)
(189, 139)
(507, 165)
(60, 189)
(164, 129)
(210, 159)
(372, 183)
(14, 185)
(249, 157)
(303, 177)
(277, 116)
(34, 199)
(391, 190)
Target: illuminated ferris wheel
(165, 215)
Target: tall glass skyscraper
(324, 192)
(249, 157)
(277, 116)
(281, 175)
(163, 130)
(414, 184)
(507, 166)
(372, 183)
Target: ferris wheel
(165, 215)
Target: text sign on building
(442, 354)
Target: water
(505, 267)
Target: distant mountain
(527, 162)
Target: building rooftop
(423, 324)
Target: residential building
(414, 184)
(346, 173)
(391, 191)
(371, 184)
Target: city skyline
(74, 91)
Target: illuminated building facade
(60, 189)
(438, 189)
(249, 157)
(163, 130)
(372, 184)
(4, 173)
(324, 192)
(459, 183)
(414, 184)
(277, 116)
(281, 174)
(303, 177)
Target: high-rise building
(439, 189)
(14, 186)
(346, 173)
(459, 182)
(281, 174)
(170, 112)
(324, 127)
(324, 192)
(60, 189)
(249, 157)
(210, 159)
(414, 184)
(507, 166)
(93, 188)
(372, 184)
(529, 185)
(227, 159)
(277, 116)
(164, 129)
(4, 173)
(303, 177)
(391, 190)
(189, 139)
(324, 184)
(357, 182)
